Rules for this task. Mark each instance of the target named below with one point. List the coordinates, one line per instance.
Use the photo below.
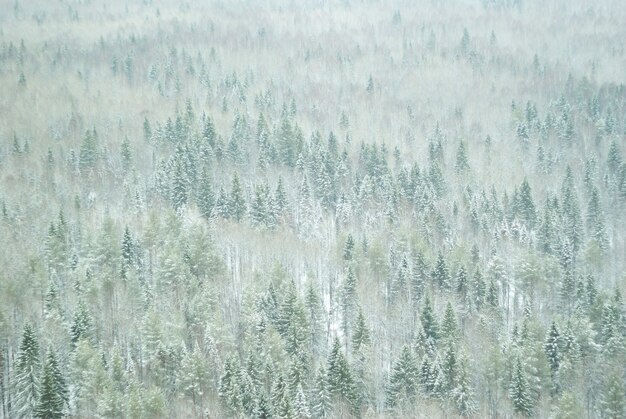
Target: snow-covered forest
(313, 209)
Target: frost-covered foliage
(312, 209)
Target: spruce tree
(403, 380)
(81, 325)
(449, 327)
(463, 394)
(429, 321)
(222, 205)
(361, 334)
(126, 154)
(553, 354)
(54, 392)
(237, 202)
(205, 198)
(322, 402)
(526, 205)
(613, 396)
(259, 211)
(89, 150)
(27, 379)
(440, 274)
(519, 390)
(301, 405)
(348, 300)
(230, 385)
(348, 250)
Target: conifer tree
(461, 165)
(237, 202)
(205, 198)
(478, 289)
(519, 391)
(301, 405)
(419, 273)
(89, 153)
(314, 314)
(429, 321)
(613, 399)
(222, 205)
(230, 385)
(259, 211)
(463, 393)
(526, 205)
(348, 300)
(403, 380)
(440, 274)
(27, 379)
(361, 334)
(81, 326)
(322, 402)
(348, 250)
(54, 392)
(553, 354)
(449, 326)
(126, 154)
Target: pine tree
(361, 334)
(222, 205)
(180, 189)
(429, 321)
(314, 313)
(307, 215)
(126, 154)
(205, 198)
(280, 197)
(286, 140)
(614, 160)
(301, 405)
(419, 273)
(595, 221)
(440, 274)
(519, 390)
(613, 399)
(340, 380)
(322, 402)
(463, 394)
(81, 326)
(478, 289)
(449, 368)
(461, 165)
(54, 392)
(27, 380)
(348, 300)
(403, 380)
(462, 283)
(526, 205)
(89, 150)
(147, 130)
(449, 326)
(348, 250)
(259, 211)
(230, 386)
(236, 203)
(194, 376)
(553, 354)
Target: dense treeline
(316, 210)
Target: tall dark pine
(27, 383)
(440, 274)
(237, 204)
(54, 393)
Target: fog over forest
(313, 209)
